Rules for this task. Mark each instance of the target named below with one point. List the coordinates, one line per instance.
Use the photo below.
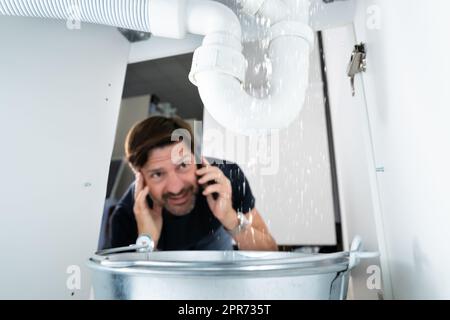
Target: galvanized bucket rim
(251, 262)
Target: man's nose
(174, 184)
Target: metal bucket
(222, 275)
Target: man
(180, 205)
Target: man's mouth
(179, 199)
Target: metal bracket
(357, 64)
(135, 36)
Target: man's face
(170, 175)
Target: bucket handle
(356, 253)
(130, 248)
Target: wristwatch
(145, 240)
(244, 223)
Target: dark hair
(151, 133)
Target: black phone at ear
(215, 194)
(149, 201)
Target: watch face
(243, 224)
(242, 218)
(145, 240)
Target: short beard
(176, 211)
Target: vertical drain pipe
(218, 70)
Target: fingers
(139, 185)
(157, 209)
(221, 185)
(207, 169)
(216, 188)
(213, 175)
(142, 204)
(141, 199)
(205, 165)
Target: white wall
(403, 129)
(356, 175)
(132, 110)
(60, 92)
(291, 178)
(408, 103)
(157, 47)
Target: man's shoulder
(226, 166)
(229, 168)
(127, 200)
(219, 162)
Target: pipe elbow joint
(167, 18)
(206, 17)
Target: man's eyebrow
(154, 170)
(181, 160)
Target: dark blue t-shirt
(198, 230)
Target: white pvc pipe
(206, 17)
(221, 88)
(273, 10)
(125, 14)
(220, 66)
(231, 106)
(164, 18)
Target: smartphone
(149, 201)
(215, 194)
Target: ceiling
(168, 79)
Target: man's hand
(215, 182)
(149, 221)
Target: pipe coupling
(218, 54)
